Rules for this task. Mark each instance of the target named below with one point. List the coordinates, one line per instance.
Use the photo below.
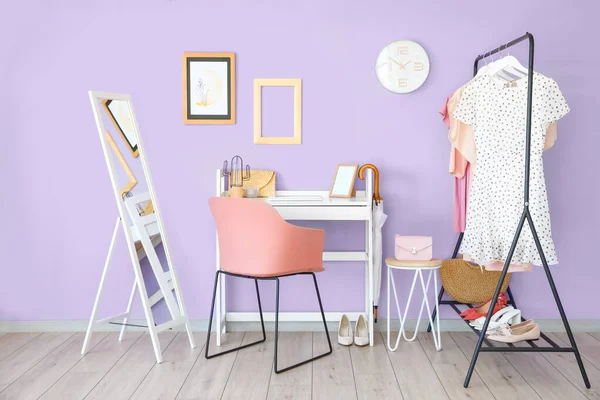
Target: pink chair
(256, 243)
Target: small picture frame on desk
(343, 181)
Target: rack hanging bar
(525, 216)
(518, 40)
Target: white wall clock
(402, 66)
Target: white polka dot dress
(498, 116)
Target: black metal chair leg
(278, 371)
(322, 316)
(260, 311)
(212, 310)
(276, 325)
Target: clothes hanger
(490, 70)
(482, 69)
(507, 64)
(509, 72)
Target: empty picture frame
(209, 88)
(258, 137)
(343, 181)
(118, 111)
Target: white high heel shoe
(507, 315)
(345, 336)
(361, 332)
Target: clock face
(402, 66)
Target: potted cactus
(236, 176)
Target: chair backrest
(249, 234)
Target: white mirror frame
(347, 188)
(140, 227)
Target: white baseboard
(290, 316)
(447, 325)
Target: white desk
(306, 205)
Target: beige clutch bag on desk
(263, 180)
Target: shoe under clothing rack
(525, 216)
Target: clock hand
(401, 66)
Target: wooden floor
(49, 366)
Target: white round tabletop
(434, 263)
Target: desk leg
(218, 299)
(367, 272)
(370, 280)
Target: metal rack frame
(525, 216)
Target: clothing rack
(526, 216)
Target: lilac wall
(57, 209)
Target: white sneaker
(345, 331)
(361, 332)
(507, 315)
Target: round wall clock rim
(424, 52)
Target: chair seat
(291, 271)
(413, 264)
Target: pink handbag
(418, 248)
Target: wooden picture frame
(132, 179)
(208, 88)
(297, 137)
(123, 123)
(344, 180)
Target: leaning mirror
(139, 217)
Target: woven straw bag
(263, 180)
(466, 283)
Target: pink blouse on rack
(462, 165)
(462, 153)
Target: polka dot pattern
(498, 116)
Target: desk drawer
(328, 213)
